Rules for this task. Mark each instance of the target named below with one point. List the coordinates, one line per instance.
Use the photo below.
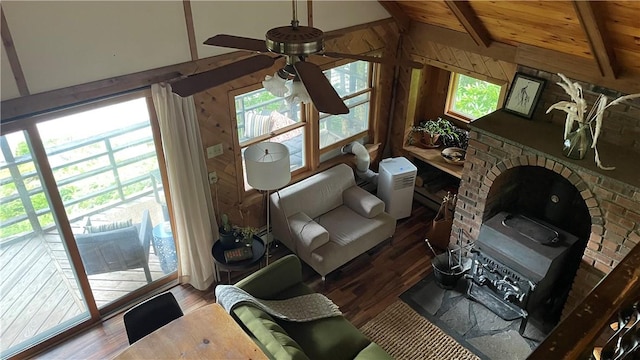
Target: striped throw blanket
(300, 308)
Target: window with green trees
(470, 98)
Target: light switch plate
(213, 151)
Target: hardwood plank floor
(363, 288)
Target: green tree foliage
(475, 98)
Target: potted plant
(459, 138)
(227, 233)
(432, 131)
(245, 235)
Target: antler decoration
(576, 111)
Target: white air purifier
(396, 180)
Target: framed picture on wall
(524, 95)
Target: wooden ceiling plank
(470, 22)
(402, 19)
(431, 12)
(559, 38)
(597, 37)
(14, 62)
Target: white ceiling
(65, 43)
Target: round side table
(217, 251)
(165, 247)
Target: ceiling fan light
(298, 94)
(275, 85)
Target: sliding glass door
(82, 203)
(40, 292)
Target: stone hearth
(471, 323)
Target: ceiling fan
(295, 43)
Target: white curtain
(195, 228)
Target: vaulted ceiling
(606, 33)
(49, 45)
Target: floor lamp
(267, 165)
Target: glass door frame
(96, 315)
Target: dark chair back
(150, 315)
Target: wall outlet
(213, 177)
(213, 151)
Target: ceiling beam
(191, 33)
(402, 19)
(17, 108)
(14, 62)
(310, 13)
(577, 67)
(597, 37)
(467, 17)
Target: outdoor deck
(39, 289)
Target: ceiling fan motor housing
(296, 41)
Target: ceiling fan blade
(208, 79)
(381, 60)
(324, 96)
(237, 42)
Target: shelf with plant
(433, 133)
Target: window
(470, 98)
(353, 83)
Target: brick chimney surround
(502, 141)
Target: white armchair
(327, 220)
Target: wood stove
(516, 262)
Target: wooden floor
(39, 288)
(362, 288)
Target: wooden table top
(206, 333)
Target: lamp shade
(267, 165)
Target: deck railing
(22, 173)
(606, 325)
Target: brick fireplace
(511, 160)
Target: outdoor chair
(150, 315)
(117, 250)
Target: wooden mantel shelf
(433, 158)
(546, 139)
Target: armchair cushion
(256, 124)
(362, 202)
(271, 336)
(113, 250)
(307, 233)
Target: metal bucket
(446, 273)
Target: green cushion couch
(332, 338)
